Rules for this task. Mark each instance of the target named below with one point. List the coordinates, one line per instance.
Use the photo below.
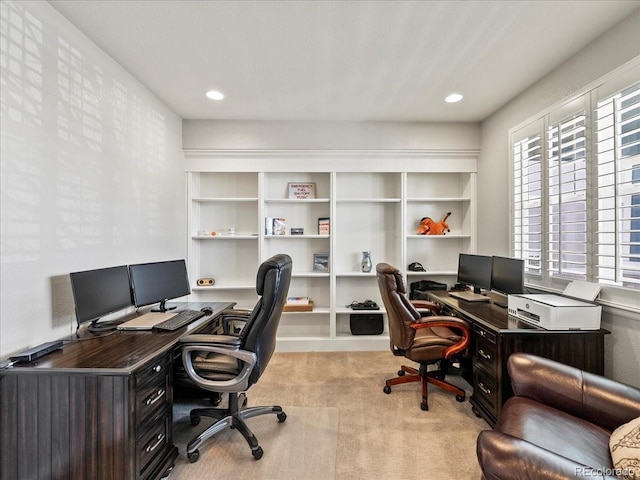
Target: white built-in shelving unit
(374, 200)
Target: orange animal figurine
(429, 227)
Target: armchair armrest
(504, 457)
(585, 395)
(459, 325)
(223, 345)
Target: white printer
(559, 312)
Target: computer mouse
(207, 310)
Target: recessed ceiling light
(453, 98)
(214, 95)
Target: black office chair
(232, 362)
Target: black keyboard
(179, 320)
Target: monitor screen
(507, 275)
(475, 270)
(97, 293)
(158, 282)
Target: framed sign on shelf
(301, 190)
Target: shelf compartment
(224, 184)
(299, 214)
(276, 184)
(297, 324)
(359, 289)
(444, 258)
(372, 227)
(220, 216)
(368, 185)
(439, 185)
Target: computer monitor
(99, 292)
(475, 270)
(507, 275)
(158, 282)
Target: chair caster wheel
(193, 456)
(195, 419)
(281, 417)
(460, 398)
(257, 453)
(387, 389)
(424, 406)
(401, 373)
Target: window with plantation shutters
(527, 215)
(576, 190)
(618, 187)
(567, 246)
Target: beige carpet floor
(376, 436)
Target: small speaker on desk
(206, 282)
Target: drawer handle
(484, 355)
(157, 368)
(159, 395)
(482, 333)
(151, 448)
(486, 390)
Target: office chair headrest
(387, 269)
(279, 262)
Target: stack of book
(298, 304)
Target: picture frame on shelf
(324, 226)
(301, 190)
(321, 262)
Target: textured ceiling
(341, 60)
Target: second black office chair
(233, 362)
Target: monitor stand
(163, 307)
(104, 326)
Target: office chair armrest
(424, 305)
(504, 457)
(237, 384)
(223, 341)
(457, 324)
(229, 317)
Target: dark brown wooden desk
(496, 335)
(99, 408)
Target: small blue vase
(366, 263)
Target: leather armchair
(233, 361)
(558, 424)
(425, 340)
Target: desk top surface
(494, 317)
(116, 351)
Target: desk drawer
(153, 443)
(151, 397)
(485, 355)
(483, 333)
(485, 389)
(154, 370)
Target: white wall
(610, 51)
(92, 171)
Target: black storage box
(366, 324)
